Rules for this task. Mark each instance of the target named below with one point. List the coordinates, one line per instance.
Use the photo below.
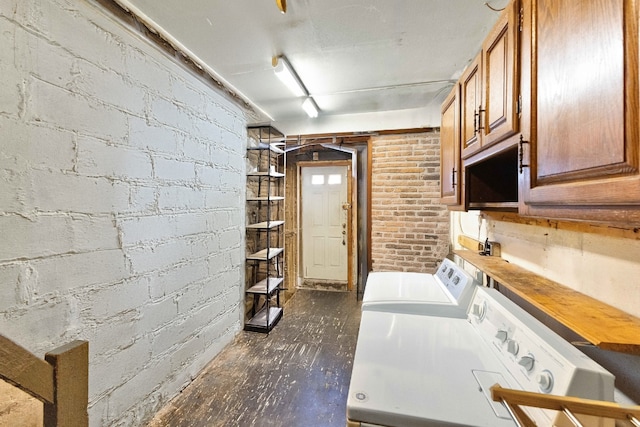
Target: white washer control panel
(539, 359)
(454, 278)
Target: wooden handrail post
(71, 378)
(25, 371)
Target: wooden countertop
(601, 324)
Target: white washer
(446, 293)
(415, 370)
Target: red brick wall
(409, 226)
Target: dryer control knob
(527, 362)
(545, 381)
(513, 347)
(502, 335)
(480, 310)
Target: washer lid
(414, 370)
(414, 293)
(403, 286)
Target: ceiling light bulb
(310, 108)
(285, 74)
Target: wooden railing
(569, 406)
(61, 380)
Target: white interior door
(324, 222)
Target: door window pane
(335, 179)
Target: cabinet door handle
(453, 177)
(478, 114)
(521, 164)
(475, 122)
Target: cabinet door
(450, 149)
(471, 97)
(580, 89)
(500, 73)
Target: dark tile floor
(297, 375)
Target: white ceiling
(369, 64)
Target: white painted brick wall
(106, 300)
(141, 229)
(167, 283)
(152, 137)
(180, 198)
(171, 169)
(69, 192)
(107, 87)
(9, 274)
(74, 271)
(149, 71)
(187, 95)
(196, 149)
(167, 112)
(80, 114)
(142, 198)
(54, 235)
(121, 210)
(41, 322)
(104, 337)
(158, 314)
(101, 159)
(11, 83)
(40, 148)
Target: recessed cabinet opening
(493, 183)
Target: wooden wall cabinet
(450, 173)
(580, 145)
(560, 97)
(489, 87)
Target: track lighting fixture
(288, 76)
(309, 107)
(285, 73)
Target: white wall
(122, 205)
(606, 268)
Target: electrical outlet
(493, 249)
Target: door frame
(350, 215)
